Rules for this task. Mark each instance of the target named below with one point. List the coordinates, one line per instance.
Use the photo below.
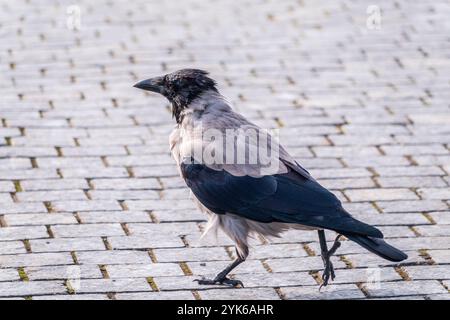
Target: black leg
(326, 257)
(222, 278)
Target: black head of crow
(243, 199)
(180, 87)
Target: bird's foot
(223, 280)
(328, 272)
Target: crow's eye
(178, 83)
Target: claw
(223, 281)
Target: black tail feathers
(379, 247)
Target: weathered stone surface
(89, 192)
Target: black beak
(153, 84)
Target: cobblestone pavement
(90, 202)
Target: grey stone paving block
(93, 151)
(413, 171)
(125, 184)
(144, 270)
(175, 228)
(365, 259)
(340, 173)
(393, 219)
(88, 230)
(301, 264)
(155, 240)
(54, 184)
(155, 171)
(9, 274)
(76, 206)
(361, 208)
(35, 259)
(441, 217)
(91, 162)
(9, 132)
(396, 231)
(376, 161)
(439, 296)
(179, 215)
(117, 141)
(421, 243)
(63, 272)
(416, 150)
(163, 295)
(428, 272)
(5, 198)
(7, 186)
(365, 275)
(333, 291)
(412, 205)
(141, 160)
(303, 141)
(411, 182)
(150, 149)
(114, 216)
(11, 289)
(123, 194)
(277, 251)
(160, 205)
(12, 247)
(191, 254)
(424, 160)
(14, 164)
(413, 298)
(21, 174)
(82, 297)
(240, 294)
(27, 151)
(440, 256)
(94, 173)
(317, 163)
(39, 219)
(352, 140)
(434, 193)
(31, 207)
(111, 285)
(173, 182)
(434, 230)
(364, 129)
(67, 244)
(380, 194)
(341, 151)
(354, 183)
(405, 288)
(113, 257)
(21, 233)
(41, 196)
(176, 194)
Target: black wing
(289, 198)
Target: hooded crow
(244, 191)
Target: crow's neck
(209, 101)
